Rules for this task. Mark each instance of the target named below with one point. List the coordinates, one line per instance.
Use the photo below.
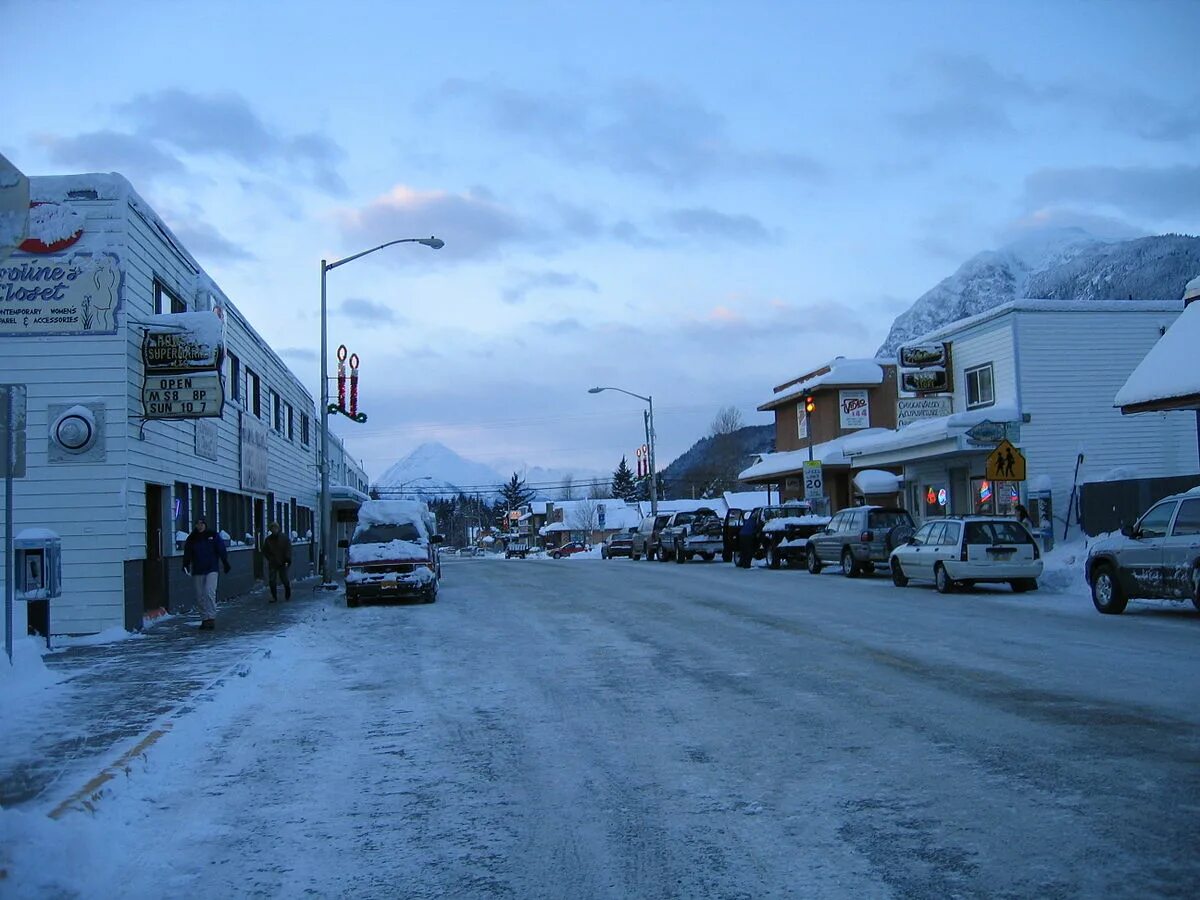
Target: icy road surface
(633, 729)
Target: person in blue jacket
(203, 552)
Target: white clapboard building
(150, 400)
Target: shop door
(154, 569)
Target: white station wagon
(957, 552)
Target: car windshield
(382, 534)
(999, 532)
(888, 518)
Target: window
(276, 412)
(166, 300)
(291, 423)
(936, 533)
(1154, 523)
(253, 393)
(235, 378)
(950, 533)
(304, 429)
(1188, 520)
(980, 391)
(922, 535)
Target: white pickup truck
(690, 534)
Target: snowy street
(634, 729)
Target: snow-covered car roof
(396, 512)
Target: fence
(1106, 505)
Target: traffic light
(810, 404)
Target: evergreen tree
(623, 485)
(514, 494)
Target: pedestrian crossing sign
(1005, 463)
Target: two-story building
(848, 398)
(1043, 374)
(149, 400)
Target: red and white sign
(52, 227)
(854, 409)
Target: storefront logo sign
(76, 296)
(854, 409)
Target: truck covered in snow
(690, 534)
(393, 553)
(781, 532)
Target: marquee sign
(926, 368)
(182, 354)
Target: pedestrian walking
(277, 551)
(203, 553)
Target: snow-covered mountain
(1054, 265)
(434, 470)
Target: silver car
(1159, 557)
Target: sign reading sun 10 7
(182, 354)
(183, 396)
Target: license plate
(1001, 551)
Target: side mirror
(343, 544)
(437, 539)
(912, 539)
(1130, 531)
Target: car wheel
(707, 557)
(556, 555)
(1021, 585)
(1107, 595)
(635, 555)
(431, 594)
(773, 557)
(812, 561)
(680, 556)
(726, 556)
(942, 580)
(604, 554)
(899, 579)
(849, 566)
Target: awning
(928, 438)
(772, 467)
(877, 481)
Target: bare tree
(567, 488)
(727, 421)
(585, 517)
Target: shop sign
(854, 409)
(913, 409)
(206, 439)
(50, 297)
(925, 381)
(183, 396)
(253, 440)
(921, 356)
(178, 351)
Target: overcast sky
(691, 200)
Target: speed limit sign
(814, 480)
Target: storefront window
(936, 500)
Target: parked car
(781, 532)
(959, 552)
(393, 553)
(568, 549)
(858, 539)
(1157, 558)
(619, 543)
(645, 539)
(689, 534)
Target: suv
(618, 544)
(1159, 557)
(645, 539)
(859, 539)
(393, 553)
(962, 551)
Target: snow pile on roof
(842, 372)
(746, 499)
(1169, 371)
(877, 481)
(1191, 290)
(553, 528)
(925, 431)
(397, 512)
(829, 453)
(53, 222)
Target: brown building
(848, 397)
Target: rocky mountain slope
(1061, 264)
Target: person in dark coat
(277, 551)
(203, 553)
(747, 538)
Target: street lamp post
(326, 529)
(649, 440)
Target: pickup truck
(690, 534)
(516, 549)
(782, 533)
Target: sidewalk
(113, 695)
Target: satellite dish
(14, 207)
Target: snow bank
(116, 633)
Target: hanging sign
(182, 354)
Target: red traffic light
(810, 404)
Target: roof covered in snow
(1169, 371)
(788, 462)
(840, 372)
(926, 431)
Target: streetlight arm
(435, 243)
(597, 390)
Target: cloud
(112, 151)
(709, 223)
(637, 128)
(368, 311)
(1106, 228)
(549, 280)
(1164, 192)
(203, 240)
(971, 97)
(224, 124)
(475, 226)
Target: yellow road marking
(108, 773)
